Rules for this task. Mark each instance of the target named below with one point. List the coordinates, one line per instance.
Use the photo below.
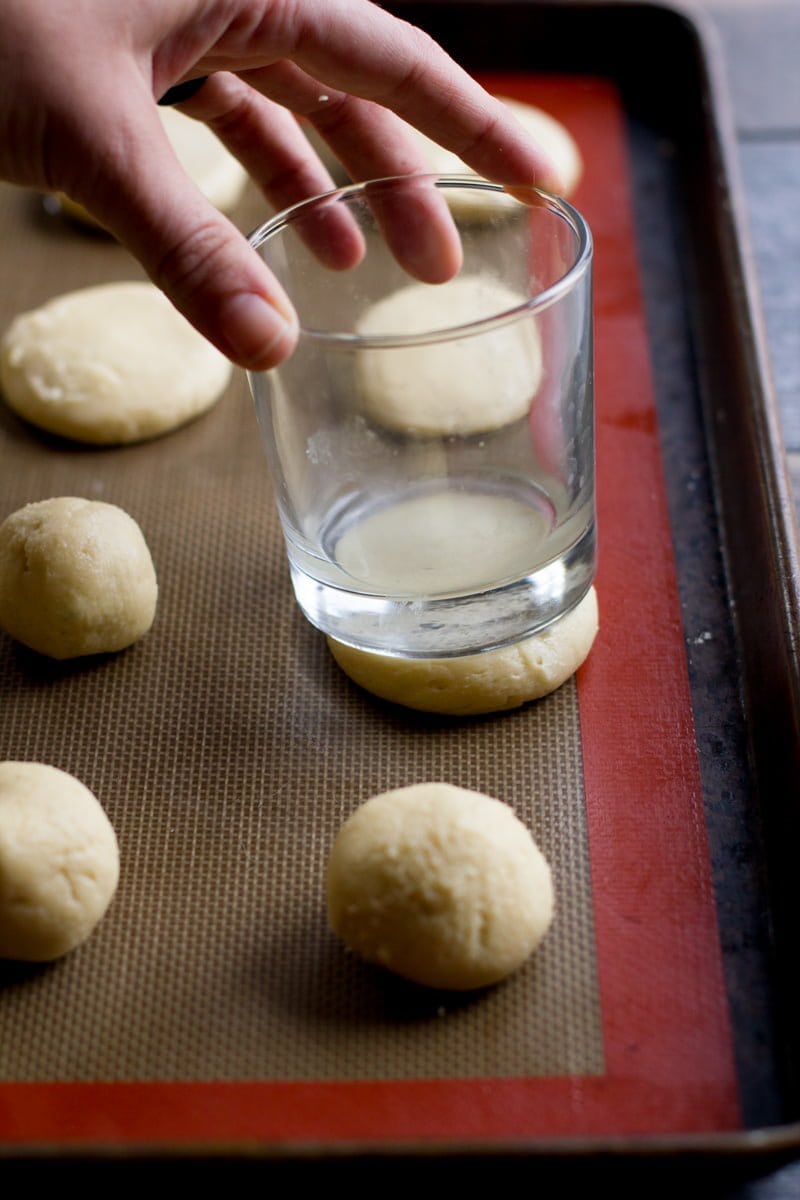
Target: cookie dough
(76, 577)
(219, 176)
(59, 862)
(439, 884)
(449, 388)
(479, 683)
(109, 364)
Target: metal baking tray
(730, 529)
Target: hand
(79, 81)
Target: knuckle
(239, 114)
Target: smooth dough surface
(59, 862)
(439, 884)
(219, 176)
(110, 364)
(479, 683)
(76, 577)
(448, 388)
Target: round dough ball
(479, 683)
(76, 577)
(59, 862)
(449, 388)
(110, 364)
(219, 176)
(441, 885)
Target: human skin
(79, 82)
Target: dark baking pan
(705, 567)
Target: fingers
(369, 140)
(265, 137)
(276, 154)
(202, 262)
(345, 63)
(115, 158)
(357, 49)
(401, 68)
(418, 228)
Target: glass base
(451, 626)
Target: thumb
(203, 263)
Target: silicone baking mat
(212, 1005)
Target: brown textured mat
(227, 748)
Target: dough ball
(554, 137)
(59, 862)
(441, 885)
(76, 577)
(219, 176)
(109, 364)
(479, 683)
(449, 388)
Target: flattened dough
(108, 365)
(59, 862)
(76, 577)
(220, 177)
(439, 884)
(449, 388)
(479, 683)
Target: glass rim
(532, 305)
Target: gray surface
(759, 41)
(771, 173)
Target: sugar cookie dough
(59, 862)
(441, 885)
(109, 364)
(219, 176)
(76, 577)
(449, 388)
(479, 683)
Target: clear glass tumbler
(431, 439)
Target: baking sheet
(660, 954)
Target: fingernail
(258, 333)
